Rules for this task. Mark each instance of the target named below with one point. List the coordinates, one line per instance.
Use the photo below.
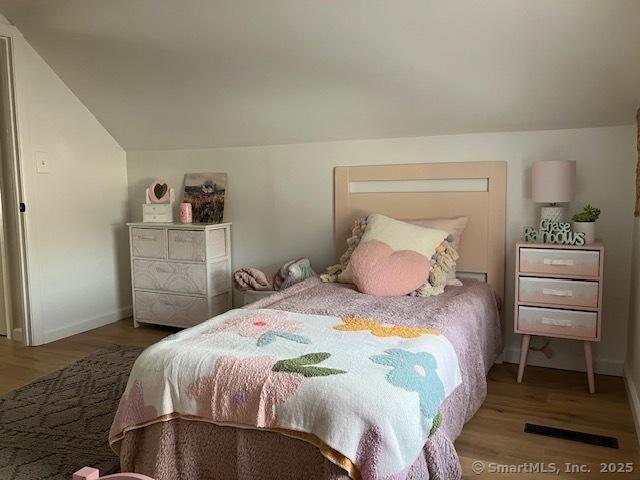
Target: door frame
(21, 290)
(5, 299)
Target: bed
(185, 446)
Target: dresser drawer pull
(556, 261)
(144, 237)
(184, 240)
(557, 293)
(163, 270)
(560, 322)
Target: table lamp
(553, 182)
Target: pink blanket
(466, 315)
(249, 278)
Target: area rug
(60, 423)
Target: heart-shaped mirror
(159, 192)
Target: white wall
(280, 199)
(76, 241)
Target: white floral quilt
(366, 393)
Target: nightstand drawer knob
(559, 322)
(557, 293)
(557, 261)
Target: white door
(13, 286)
(5, 312)
(4, 319)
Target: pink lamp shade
(553, 181)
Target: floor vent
(590, 438)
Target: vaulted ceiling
(163, 74)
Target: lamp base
(553, 214)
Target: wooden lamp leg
(524, 350)
(588, 358)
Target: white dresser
(180, 273)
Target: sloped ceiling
(163, 74)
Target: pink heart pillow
(378, 270)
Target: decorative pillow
(379, 270)
(385, 229)
(455, 227)
(399, 236)
(402, 235)
(334, 272)
(442, 261)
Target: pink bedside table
(559, 294)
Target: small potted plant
(585, 222)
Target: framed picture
(205, 192)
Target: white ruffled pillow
(455, 226)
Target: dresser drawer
(156, 209)
(177, 310)
(574, 293)
(148, 243)
(170, 276)
(217, 242)
(219, 304)
(157, 213)
(566, 262)
(187, 245)
(553, 322)
(219, 277)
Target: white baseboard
(634, 398)
(604, 366)
(16, 334)
(83, 326)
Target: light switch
(42, 162)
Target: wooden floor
(556, 398)
(20, 365)
(494, 436)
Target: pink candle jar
(186, 215)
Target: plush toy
(442, 262)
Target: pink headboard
(476, 190)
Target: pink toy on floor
(88, 473)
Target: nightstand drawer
(552, 322)
(584, 263)
(574, 293)
(148, 242)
